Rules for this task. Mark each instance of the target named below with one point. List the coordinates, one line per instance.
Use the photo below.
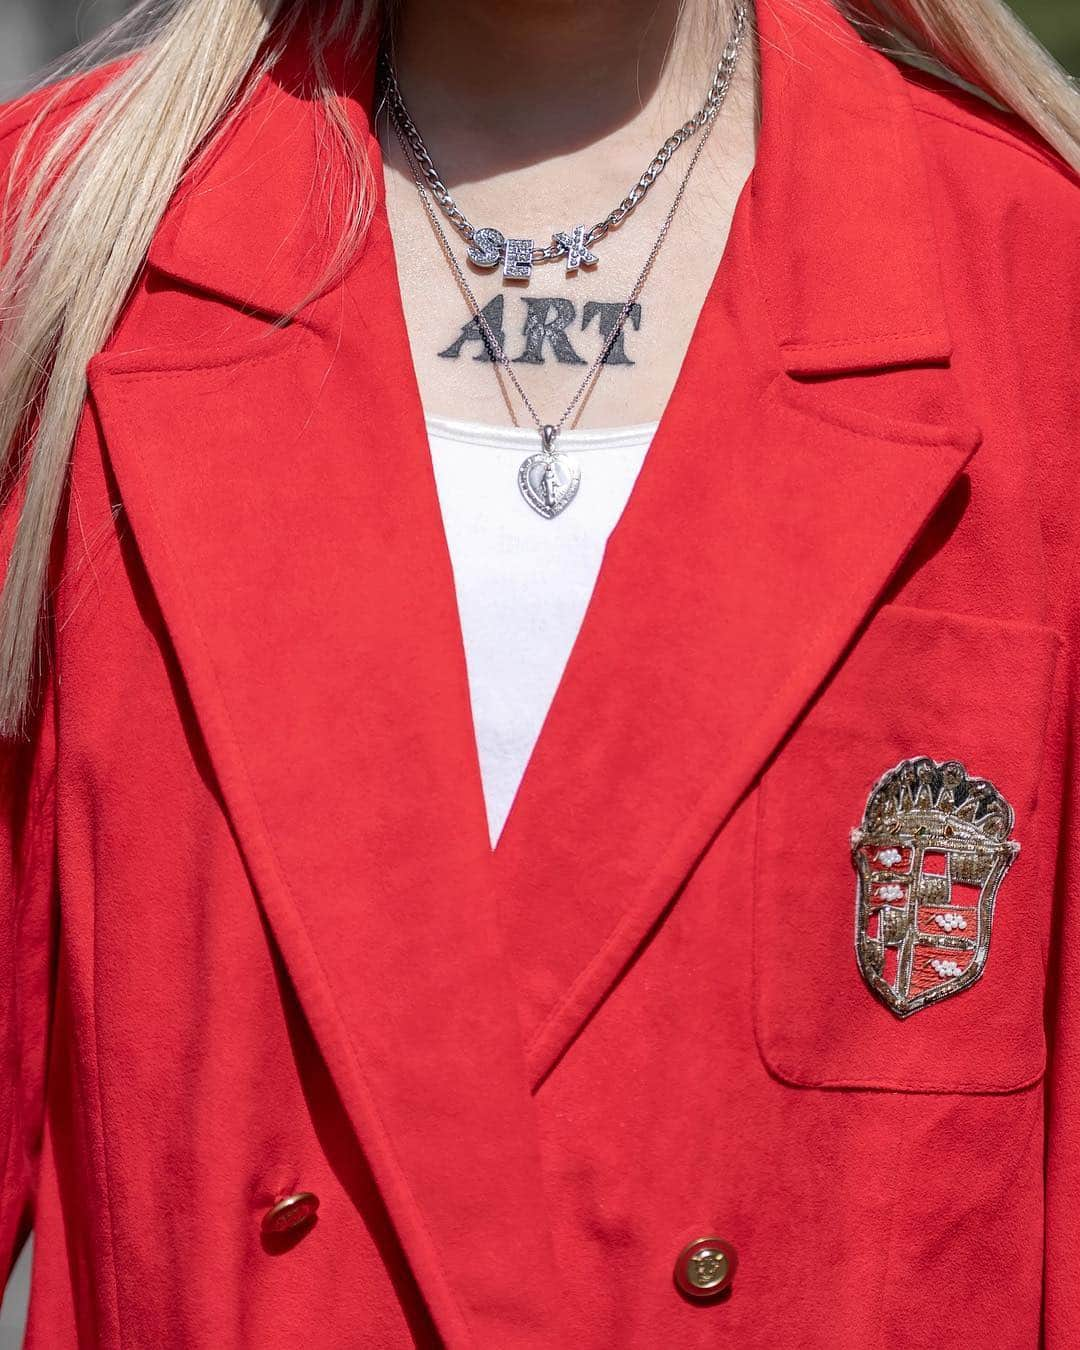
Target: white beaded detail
(889, 857)
(949, 922)
(891, 892)
(946, 969)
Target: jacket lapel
(790, 475)
(281, 494)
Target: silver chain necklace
(488, 247)
(549, 479)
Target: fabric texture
(522, 582)
(254, 937)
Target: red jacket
(255, 942)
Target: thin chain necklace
(488, 246)
(549, 479)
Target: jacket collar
(838, 147)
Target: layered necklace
(549, 479)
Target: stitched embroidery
(930, 856)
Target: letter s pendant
(488, 247)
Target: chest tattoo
(545, 329)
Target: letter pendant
(574, 243)
(488, 247)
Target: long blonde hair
(76, 233)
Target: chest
(557, 324)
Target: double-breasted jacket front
(726, 974)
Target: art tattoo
(545, 328)
(546, 321)
(608, 312)
(472, 332)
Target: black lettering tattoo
(547, 321)
(472, 332)
(609, 312)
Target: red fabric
(252, 917)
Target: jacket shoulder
(992, 147)
(1006, 206)
(1006, 214)
(44, 110)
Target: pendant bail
(548, 435)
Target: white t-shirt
(523, 582)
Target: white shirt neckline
(517, 438)
(523, 582)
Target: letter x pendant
(577, 249)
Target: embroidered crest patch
(930, 855)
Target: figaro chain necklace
(549, 479)
(490, 247)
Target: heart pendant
(549, 482)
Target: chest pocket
(918, 684)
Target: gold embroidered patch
(930, 855)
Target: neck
(551, 74)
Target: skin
(539, 117)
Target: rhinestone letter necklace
(549, 479)
(489, 247)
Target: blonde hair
(76, 232)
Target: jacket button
(705, 1267)
(290, 1212)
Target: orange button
(705, 1267)
(290, 1212)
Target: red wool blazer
(761, 1026)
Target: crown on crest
(923, 798)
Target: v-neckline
(522, 583)
(661, 447)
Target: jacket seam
(93, 1104)
(992, 134)
(869, 425)
(105, 1164)
(208, 360)
(923, 331)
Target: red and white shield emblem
(930, 855)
